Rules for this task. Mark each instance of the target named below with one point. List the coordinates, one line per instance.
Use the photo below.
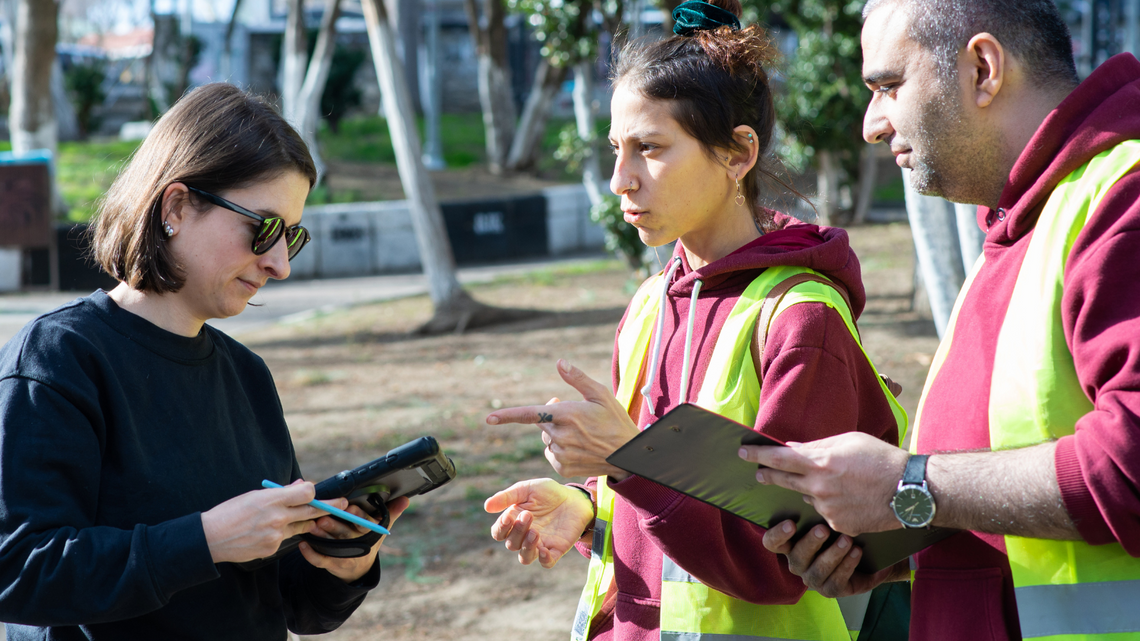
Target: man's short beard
(953, 159)
(939, 123)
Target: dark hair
(1032, 31)
(714, 81)
(217, 137)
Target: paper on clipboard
(694, 451)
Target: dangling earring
(167, 229)
(739, 194)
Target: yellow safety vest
(690, 610)
(1066, 590)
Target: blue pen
(335, 512)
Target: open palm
(540, 518)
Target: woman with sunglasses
(134, 437)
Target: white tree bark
(32, 113)
(427, 219)
(934, 227)
(309, 100)
(498, 105)
(7, 37)
(532, 124)
(294, 59)
(584, 118)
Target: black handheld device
(416, 467)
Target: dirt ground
(355, 384)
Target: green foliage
(621, 237)
(84, 81)
(566, 28)
(86, 170)
(826, 98)
(572, 148)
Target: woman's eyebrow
(637, 135)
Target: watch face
(914, 506)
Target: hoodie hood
(826, 250)
(1101, 113)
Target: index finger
(528, 415)
(297, 493)
(777, 457)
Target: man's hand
(849, 479)
(580, 435)
(830, 572)
(348, 569)
(541, 519)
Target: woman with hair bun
(134, 437)
(692, 123)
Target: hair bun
(697, 15)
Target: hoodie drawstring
(656, 360)
(689, 340)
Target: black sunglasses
(272, 229)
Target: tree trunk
(32, 114)
(67, 122)
(455, 310)
(309, 99)
(163, 66)
(294, 58)
(524, 148)
(868, 174)
(827, 181)
(934, 227)
(7, 37)
(228, 44)
(584, 118)
(495, 97)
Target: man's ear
(175, 200)
(741, 162)
(986, 62)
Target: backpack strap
(772, 303)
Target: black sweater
(114, 436)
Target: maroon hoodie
(963, 587)
(816, 382)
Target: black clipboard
(694, 451)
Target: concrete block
(395, 248)
(346, 243)
(10, 261)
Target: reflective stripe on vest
(691, 611)
(1066, 590)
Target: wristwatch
(913, 503)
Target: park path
(289, 300)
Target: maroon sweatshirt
(963, 587)
(816, 382)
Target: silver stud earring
(167, 229)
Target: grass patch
(366, 139)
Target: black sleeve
(316, 601)
(57, 567)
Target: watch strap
(915, 473)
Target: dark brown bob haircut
(714, 81)
(216, 138)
